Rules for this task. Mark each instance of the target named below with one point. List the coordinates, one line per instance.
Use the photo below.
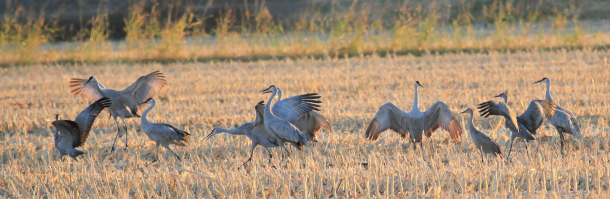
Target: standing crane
(279, 120)
(74, 133)
(523, 126)
(163, 134)
(563, 120)
(480, 140)
(414, 122)
(133, 96)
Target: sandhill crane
(253, 130)
(563, 120)
(310, 123)
(74, 133)
(414, 122)
(133, 96)
(163, 134)
(480, 140)
(279, 120)
(524, 125)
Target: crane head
(211, 134)
(502, 94)
(149, 100)
(91, 78)
(545, 80)
(269, 90)
(260, 104)
(418, 84)
(468, 110)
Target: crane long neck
(472, 128)
(235, 131)
(279, 94)
(548, 90)
(416, 101)
(268, 106)
(144, 118)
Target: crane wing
(70, 133)
(290, 109)
(535, 114)
(439, 115)
(86, 118)
(487, 144)
(497, 108)
(572, 121)
(88, 91)
(260, 112)
(144, 88)
(311, 123)
(389, 116)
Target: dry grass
(343, 164)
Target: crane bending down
(75, 133)
(523, 126)
(254, 130)
(481, 141)
(163, 134)
(563, 120)
(133, 96)
(309, 123)
(414, 122)
(279, 120)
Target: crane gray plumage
(131, 97)
(278, 121)
(309, 123)
(414, 122)
(481, 141)
(74, 133)
(523, 126)
(253, 130)
(163, 134)
(564, 120)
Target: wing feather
(88, 91)
(70, 133)
(500, 109)
(311, 123)
(290, 109)
(439, 115)
(389, 116)
(145, 87)
(86, 118)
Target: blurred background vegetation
(39, 31)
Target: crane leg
(482, 157)
(126, 138)
(510, 147)
(269, 152)
(251, 152)
(118, 128)
(166, 146)
(156, 158)
(561, 141)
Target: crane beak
(464, 111)
(500, 95)
(538, 81)
(211, 134)
(266, 91)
